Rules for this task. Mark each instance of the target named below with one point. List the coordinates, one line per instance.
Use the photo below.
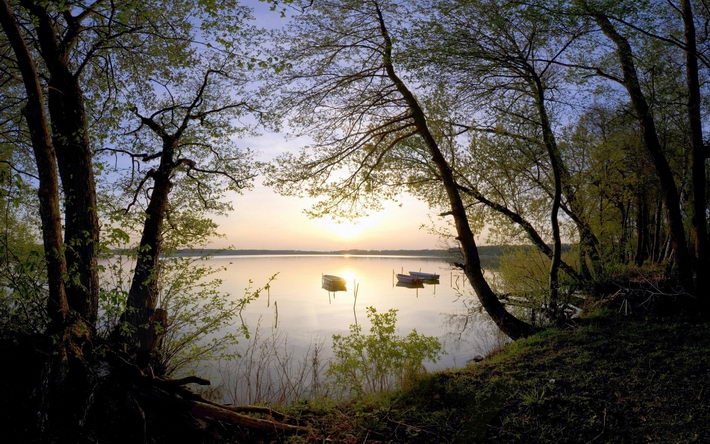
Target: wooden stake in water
(276, 314)
(356, 287)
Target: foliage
(204, 323)
(524, 273)
(22, 268)
(336, 92)
(22, 293)
(381, 360)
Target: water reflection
(411, 284)
(306, 313)
(303, 310)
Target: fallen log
(209, 411)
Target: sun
(346, 230)
(349, 275)
(350, 229)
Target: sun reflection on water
(349, 275)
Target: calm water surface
(298, 307)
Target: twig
(603, 428)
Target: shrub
(381, 360)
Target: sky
(262, 219)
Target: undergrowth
(608, 378)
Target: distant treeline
(354, 252)
(490, 254)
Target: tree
(698, 154)
(629, 79)
(46, 163)
(346, 91)
(75, 61)
(611, 173)
(509, 58)
(503, 58)
(185, 152)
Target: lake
(300, 313)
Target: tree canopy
(560, 122)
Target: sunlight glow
(349, 276)
(348, 229)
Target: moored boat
(424, 276)
(332, 282)
(408, 279)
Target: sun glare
(348, 229)
(349, 276)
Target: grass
(607, 379)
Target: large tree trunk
(143, 294)
(80, 208)
(62, 392)
(74, 157)
(697, 157)
(669, 189)
(509, 324)
(38, 124)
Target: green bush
(524, 275)
(381, 360)
(204, 323)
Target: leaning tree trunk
(143, 294)
(509, 324)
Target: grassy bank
(608, 378)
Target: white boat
(408, 279)
(424, 276)
(332, 282)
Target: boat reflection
(410, 284)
